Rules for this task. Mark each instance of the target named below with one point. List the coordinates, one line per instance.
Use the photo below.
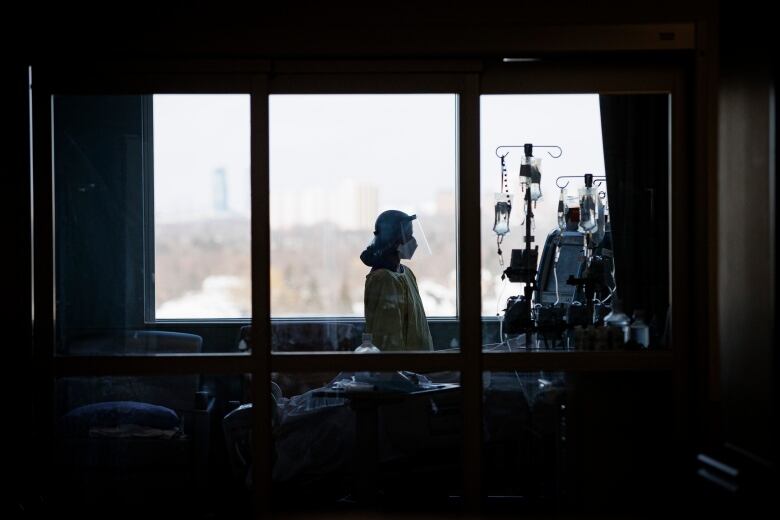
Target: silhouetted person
(394, 311)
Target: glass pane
(363, 221)
(380, 439)
(571, 441)
(575, 226)
(151, 221)
(202, 207)
(129, 445)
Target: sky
(193, 136)
(404, 144)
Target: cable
(500, 294)
(501, 331)
(509, 349)
(555, 274)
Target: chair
(102, 451)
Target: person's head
(393, 240)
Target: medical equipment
(522, 268)
(367, 347)
(561, 212)
(556, 306)
(618, 323)
(639, 331)
(589, 206)
(503, 203)
(531, 176)
(503, 210)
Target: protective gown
(394, 311)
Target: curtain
(636, 138)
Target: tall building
(355, 205)
(350, 206)
(220, 191)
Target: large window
(202, 216)
(167, 240)
(572, 122)
(599, 219)
(152, 220)
(336, 163)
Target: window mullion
(147, 149)
(469, 290)
(260, 341)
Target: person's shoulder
(384, 280)
(380, 276)
(408, 271)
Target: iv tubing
(501, 321)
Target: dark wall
(324, 29)
(18, 312)
(620, 450)
(747, 266)
(747, 224)
(99, 211)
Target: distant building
(349, 206)
(355, 206)
(220, 191)
(445, 203)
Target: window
(623, 142)
(152, 220)
(202, 257)
(336, 163)
(572, 122)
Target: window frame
(578, 77)
(407, 78)
(298, 79)
(150, 272)
(364, 77)
(302, 83)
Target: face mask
(407, 249)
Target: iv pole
(528, 267)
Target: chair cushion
(133, 342)
(111, 414)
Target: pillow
(112, 414)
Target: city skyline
(336, 161)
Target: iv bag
(531, 176)
(589, 210)
(536, 191)
(503, 210)
(598, 235)
(561, 212)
